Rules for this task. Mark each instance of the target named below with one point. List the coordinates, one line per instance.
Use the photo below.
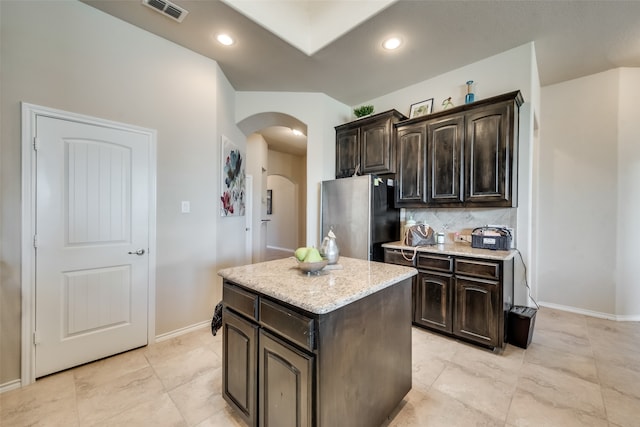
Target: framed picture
(269, 202)
(232, 202)
(421, 108)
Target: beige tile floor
(578, 371)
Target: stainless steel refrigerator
(360, 211)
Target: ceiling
(334, 46)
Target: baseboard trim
(182, 331)
(629, 318)
(11, 385)
(608, 316)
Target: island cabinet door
(285, 384)
(240, 349)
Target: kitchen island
(326, 349)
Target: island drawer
(489, 270)
(287, 323)
(435, 262)
(399, 256)
(242, 301)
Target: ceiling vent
(168, 9)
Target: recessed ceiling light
(225, 39)
(392, 43)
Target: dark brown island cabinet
(328, 350)
(466, 297)
(462, 157)
(367, 145)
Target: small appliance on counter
(490, 237)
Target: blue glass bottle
(469, 98)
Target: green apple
(301, 253)
(313, 256)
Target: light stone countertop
(460, 249)
(319, 293)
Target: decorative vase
(469, 98)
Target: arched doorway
(274, 150)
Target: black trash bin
(521, 322)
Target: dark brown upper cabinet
(411, 178)
(462, 157)
(367, 145)
(446, 139)
(490, 166)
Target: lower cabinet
(478, 311)
(466, 297)
(239, 342)
(433, 300)
(285, 385)
(267, 379)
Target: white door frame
(248, 222)
(28, 224)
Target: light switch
(186, 206)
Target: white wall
(257, 163)
(230, 240)
(628, 232)
(70, 56)
(588, 196)
(321, 114)
(498, 74)
(515, 69)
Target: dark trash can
(521, 322)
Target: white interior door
(92, 227)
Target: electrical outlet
(463, 238)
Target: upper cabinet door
(446, 139)
(489, 155)
(411, 178)
(378, 150)
(369, 143)
(347, 152)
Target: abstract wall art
(232, 199)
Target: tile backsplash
(453, 220)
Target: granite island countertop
(459, 249)
(334, 287)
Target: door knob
(138, 252)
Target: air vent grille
(168, 9)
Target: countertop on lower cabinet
(458, 249)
